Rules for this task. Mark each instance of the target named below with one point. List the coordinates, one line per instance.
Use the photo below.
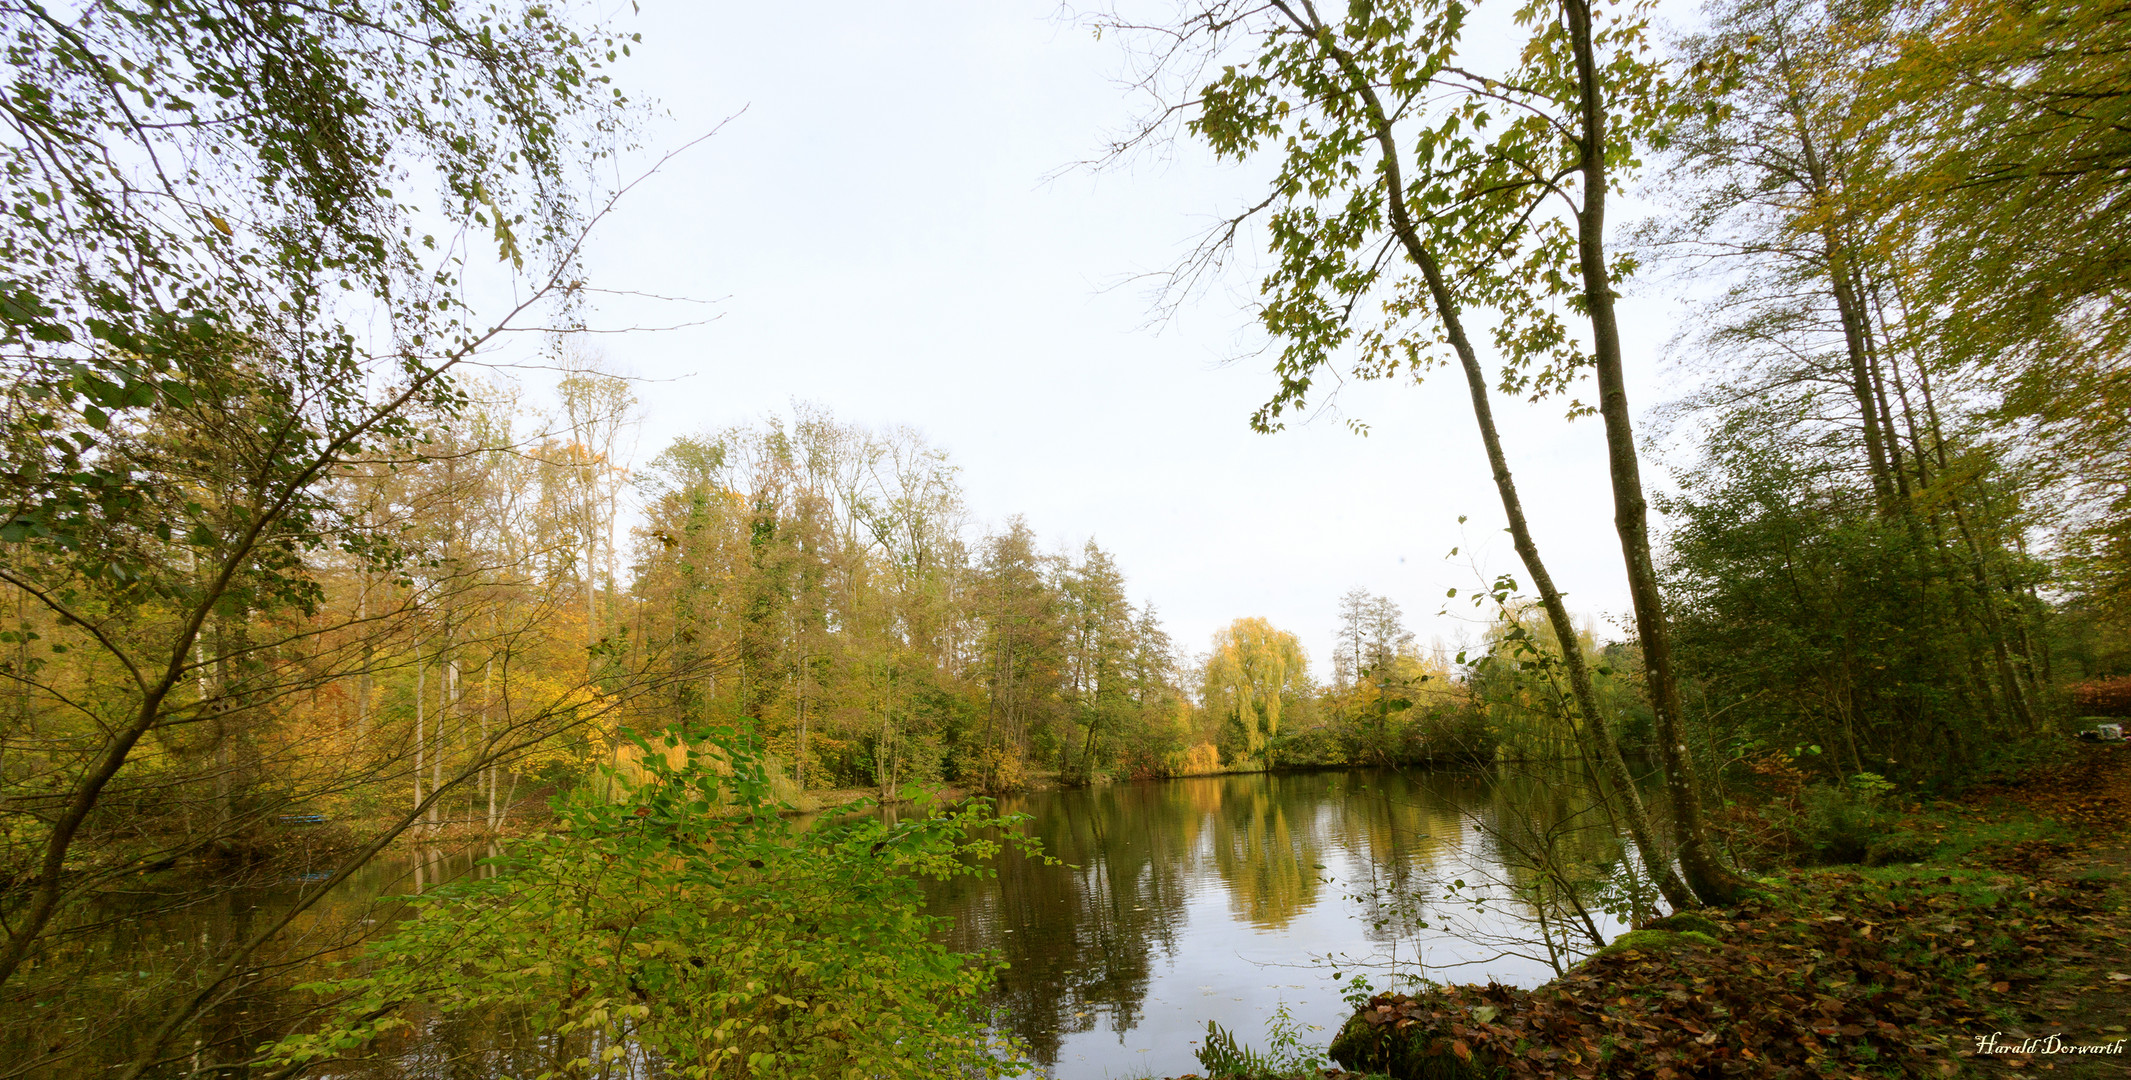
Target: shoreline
(2014, 928)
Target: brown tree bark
(1448, 310)
(1706, 874)
(1675, 891)
(1850, 312)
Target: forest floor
(2002, 955)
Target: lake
(1175, 902)
(1224, 898)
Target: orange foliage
(2102, 697)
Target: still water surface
(1176, 902)
(1223, 898)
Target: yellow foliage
(629, 759)
(1252, 666)
(1199, 760)
(1001, 770)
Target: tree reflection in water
(1180, 901)
(1175, 902)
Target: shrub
(1840, 824)
(1224, 1058)
(687, 919)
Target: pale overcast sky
(880, 237)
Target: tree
(213, 217)
(1160, 726)
(1782, 157)
(1372, 641)
(1499, 206)
(1021, 652)
(1348, 656)
(1253, 673)
(1098, 648)
(1387, 635)
(1823, 352)
(685, 508)
(2013, 148)
(819, 570)
(1857, 643)
(687, 918)
(597, 407)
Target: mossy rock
(1656, 941)
(1683, 922)
(1417, 1053)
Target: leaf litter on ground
(1838, 973)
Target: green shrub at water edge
(687, 919)
(1289, 1054)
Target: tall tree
(1793, 181)
(2014, 149)
(1498, 206)
(820, 572)
(598, 408)
(1782, 156)
(218, 207)
(1251, 677)
(1098, 648)
(1349, 657)
(1023, 665)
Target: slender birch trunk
(436, 750)
(421, 698)
(1704, 869)
(1635, 816)
(364, 683)
(488, 686)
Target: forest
(288, 554)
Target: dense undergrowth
(678, 918)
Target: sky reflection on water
(1221, 898)
(1174, 902)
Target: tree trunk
(2008, 676)
(1636, 817)
(1850, 310)
(1706, 874)
(1676, 892)
(591, 586)
(488, 771)
(223, 734)
(421, 694)
(364, 683)
(436, 743)
(883, 750)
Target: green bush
(687, 919)
(1289, 1055)
(1840, 824)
